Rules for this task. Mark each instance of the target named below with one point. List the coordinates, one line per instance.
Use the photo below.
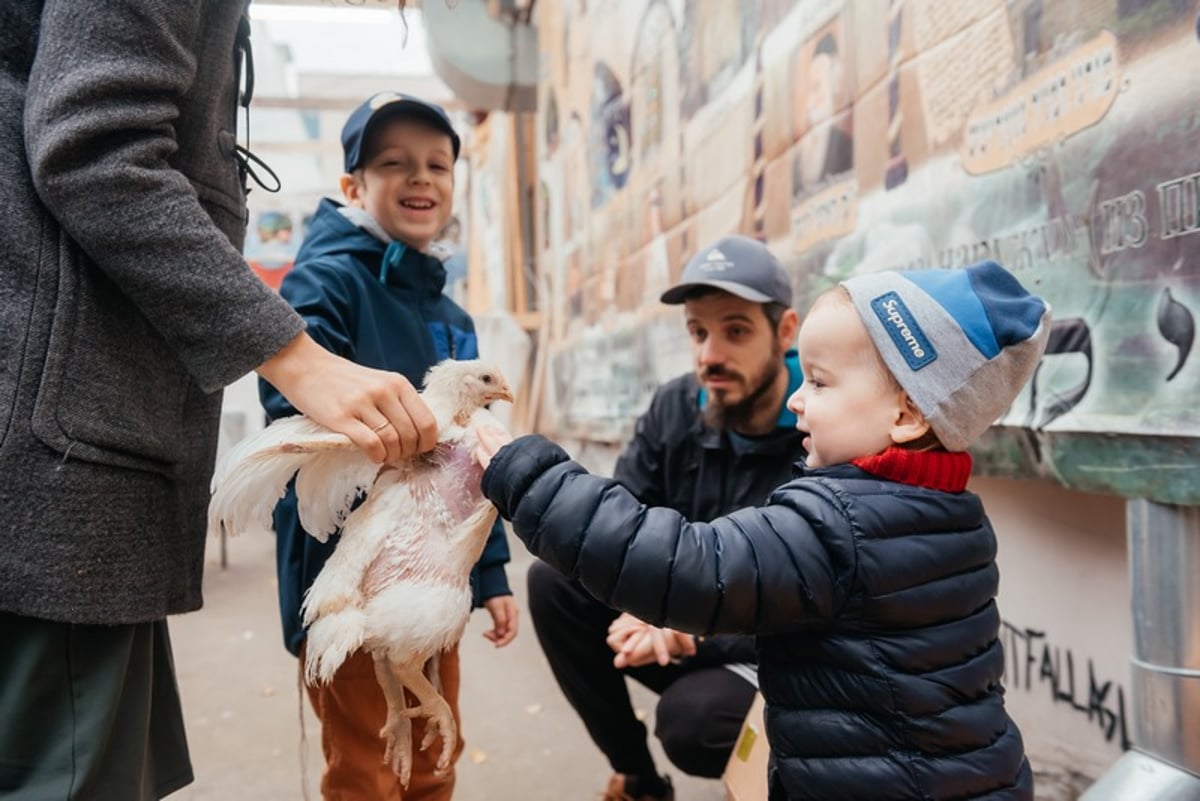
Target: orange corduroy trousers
(352, 710)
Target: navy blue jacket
(878, 649)
(677, 460)
(380, 306)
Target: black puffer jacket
(675, 460)
(873, 601)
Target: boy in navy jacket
(870, 578)
(368, 291)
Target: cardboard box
(746, 774)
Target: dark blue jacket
(878, 648)
(677, 460)
(381, 306)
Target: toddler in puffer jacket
(870, 578)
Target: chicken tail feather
(331, 640)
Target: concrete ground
(243, 711)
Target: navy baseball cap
(738, 265)
(387, 106)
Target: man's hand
(381, 412)
(637, 643)
(503, 609)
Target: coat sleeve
(488, 577)
(640, 466)
(777, 568)
(316, 291)
(105, 91)
(725, 649)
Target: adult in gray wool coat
(125, 307)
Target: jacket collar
(363, 219)
(338, 232)
(409, 268)
(947, 471)
(939, 470)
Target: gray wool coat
(125, 303)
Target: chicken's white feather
(326, 488)
(255, 474)
(330, 641)
(411, 616)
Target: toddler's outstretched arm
(765, 570)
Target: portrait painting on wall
(821, 116)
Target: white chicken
(397, 584)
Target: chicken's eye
(485, 378)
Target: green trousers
(89, 713)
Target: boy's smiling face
(848, 404)
(407, 181)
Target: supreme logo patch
(902, 327)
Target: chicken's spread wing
(330, 472)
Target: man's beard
(723, 416)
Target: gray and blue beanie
(962, 342)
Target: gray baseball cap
(738, 265)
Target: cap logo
(715, 261)
(382, 99)
(902, 327)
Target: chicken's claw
(397, 734)
(439, 722)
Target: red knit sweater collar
(940, 470)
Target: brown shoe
(616, 791)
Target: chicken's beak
(501, 392)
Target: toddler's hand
(503, 609)
(491, 439)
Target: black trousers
(700, 708)
(89, 713)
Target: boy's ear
(909, 424)
(351, 189)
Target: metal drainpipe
(1164, 568)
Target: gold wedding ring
(381, 426)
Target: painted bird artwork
(397, 584)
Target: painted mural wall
(1060, 137)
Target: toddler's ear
(909, 424)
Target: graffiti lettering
(1055, 668)
(1053, 238)
(1017, 250)
(1121, 222)
(1179, 200)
